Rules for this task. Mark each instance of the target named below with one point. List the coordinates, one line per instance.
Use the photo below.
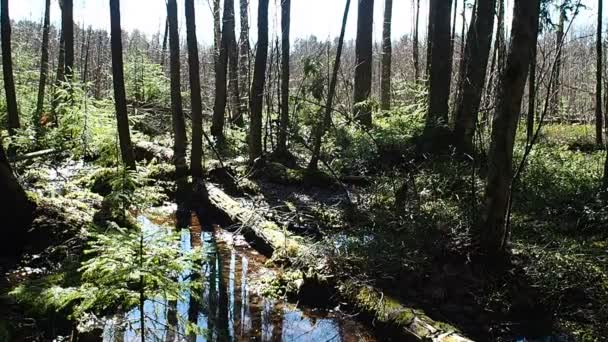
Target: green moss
(47, 294)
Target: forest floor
(417, 248)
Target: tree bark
(363, 64)
(440, 72)
(221, 71)
(67, 27)
(320, 131)
(179, 125)
(7, 70)
(285, 53)
(532, 91)
(493, 232)
(387, 52)
(60, 76)
(164, 49)
(196, 158)
(559, 35)
(120, 98)
(233, 62)
(257, 88)
(416, 52)
(44, 65)
(473, 75)
(244, 61)
(599, 134)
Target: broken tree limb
(411, 323)
(33, 155)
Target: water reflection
(226, 309)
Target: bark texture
(599, 136)
(285, 52)
(244, 60)
(44, 65)
(387, 54)
(363, 63)
(7, 70)
(67, 27)
(257, 87)
(196, 158)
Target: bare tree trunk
(217, 30)
(120, 99)
(493, 231)
(532, 92)
(244, 60)
(60, 76)
(221, 71)
(196, 158)
(233, 62)
(556, 81)
(285, 52)
(440, 72)
(44, 65)
(387, 51)
(164, 50)
(257, 87)
(7, 69)
(363, 64)
(179, 125)
(67, 27)
(416, 52)
(320, 131)
(599, 134)
(473, 74)
(85, 67)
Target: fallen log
(411, 323)
(145, 150)
(33, 155)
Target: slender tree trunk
(285, 52)
(363, 64)
(44, 65)
(233, 62)
(244, 60)
(387, 52)
(416, 52)
(320, 131)
(453, 37)
(473, 75)
(67, 27)
(599, 134)
(440, 72)
(179, 125)
(257, 88)
(60, 77)
(196, 159)
(493, 231)
(217, 30)
(221, 71)
(556, 81)
(7, 69)
(85, 68)
(120, 98)
(532, 93)
(165, 38)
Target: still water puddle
(230, 309)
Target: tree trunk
(60, 76)
(221, 70)
(416, 52)
(440, 73)
(164, 50)
(67, 27)
(244, 61)
(363, 64)
(85, 68)
(44, 65)
(472, 79)
(532, 92)
(233, 62)
(493, 232)
(285, 52)
(387, 51)
(179, 126)
(320, 131)
(217, 31)
(599, 134)
(7, 70)
(559, 35)
(120, 99)
(257, 88)
(196, 159)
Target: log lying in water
(410, 323)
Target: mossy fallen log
(410, 323)
(145, 150)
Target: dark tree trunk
(16, 207)
(179, 125)
(473, 75)
(320, 131)
(599, 136)
(257, 87)
(363, 64)
(387, 52)
(7, 70)
(285, 52)
(196, 159)
(233, 62)
(244, 60)
(60, 76)
(532, 91)
(556, 81)
(217, 31)
(120, 99)
(67, 27)
(493, 232)
(416, 52)
(165, 38)
(440, 72)
(44, 65)
(85, 68)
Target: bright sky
(321, 18)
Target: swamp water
(230, 308)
